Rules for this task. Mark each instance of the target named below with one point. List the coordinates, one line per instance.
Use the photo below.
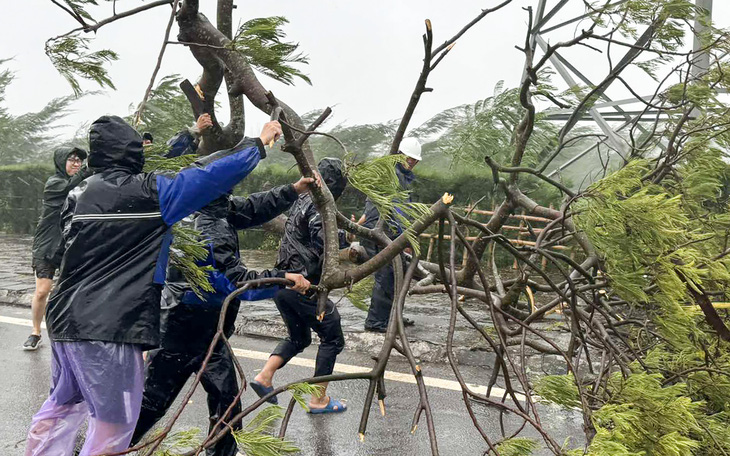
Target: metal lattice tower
(608, 115)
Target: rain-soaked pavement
(24, 386)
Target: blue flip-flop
(333, 406)
(262, 391)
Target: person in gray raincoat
(47, 240)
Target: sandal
(333, 406)
(262, 391)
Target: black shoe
(32, 343)
(408, 322)
(375, 329)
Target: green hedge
(21, 191)
(21, 196)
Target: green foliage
(650, 235)
(21, 196)
(260, 40)
(77, 6)
(187, 247)
(299, 390)
(255, 439)
(559, 389)
(377, 179)
(178, 442)
(516, 447)
(644, 417)
(166, 112)
(28, 137)
(659, 241)
(71, 56)
(360, 293)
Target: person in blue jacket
(105, 310)
(190, 321)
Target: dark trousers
(300, 316)
(382, 298)
(167, 372)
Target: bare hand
(300, 283)
(271, 132)
(204, 122)
(305, 184)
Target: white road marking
(339, 367)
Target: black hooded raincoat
(47, 239)
(117, 234)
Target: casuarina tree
(645, 361)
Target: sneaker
(32, 343)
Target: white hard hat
(410, 147)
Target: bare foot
(264, 381)
(319, 403)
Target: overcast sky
(364, 56)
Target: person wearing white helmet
(384, 287)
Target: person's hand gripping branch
(271, 132)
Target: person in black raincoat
(106, 308)
(189, 322)
(47, 239)
(384, 287)
(302, 250)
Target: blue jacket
(117, 234)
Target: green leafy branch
(378, 180)
(261, 41)
(71, 56)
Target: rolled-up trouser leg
(165, 375)
(289, 303)
(54, 428)
(219, 381)
(382, 299)
(332, 341)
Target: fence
(525, 234)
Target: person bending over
(302, 250)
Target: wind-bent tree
(646, 362)
(27, 138)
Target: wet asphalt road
(24, 383)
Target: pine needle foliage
(72, 58)
(300, 390)
(28, 137)
(659, 242)
(187, 247)
(255, 438)
(559, 389)
(516, 446)
(178, 442)
(377, 179)
(360, 293)
(261, 41)
(166, 111)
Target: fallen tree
(646, 362)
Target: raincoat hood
(115, 144)
(333, 176)
(60, 156)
